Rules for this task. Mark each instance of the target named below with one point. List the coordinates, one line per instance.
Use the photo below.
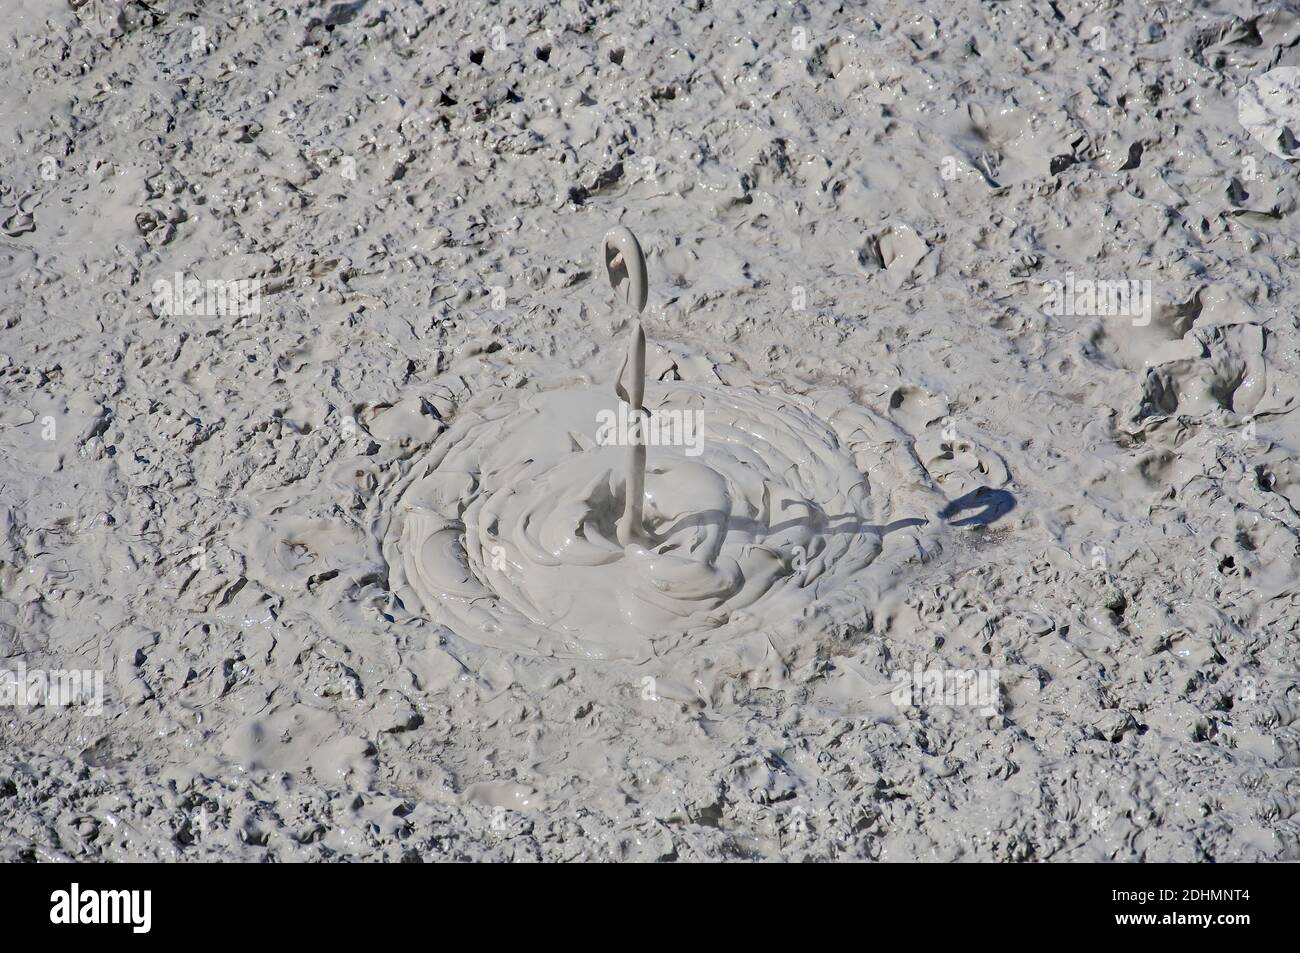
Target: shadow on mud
(989, 505)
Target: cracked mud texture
(855, 203)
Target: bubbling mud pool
(506, 530)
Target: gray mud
(863, 207)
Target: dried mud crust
(858, 203)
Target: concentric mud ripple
(505, 531)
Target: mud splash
(522, 531)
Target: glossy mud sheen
(276, 533)
(508, 530)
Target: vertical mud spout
(625, 266)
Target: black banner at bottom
(140, 903)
